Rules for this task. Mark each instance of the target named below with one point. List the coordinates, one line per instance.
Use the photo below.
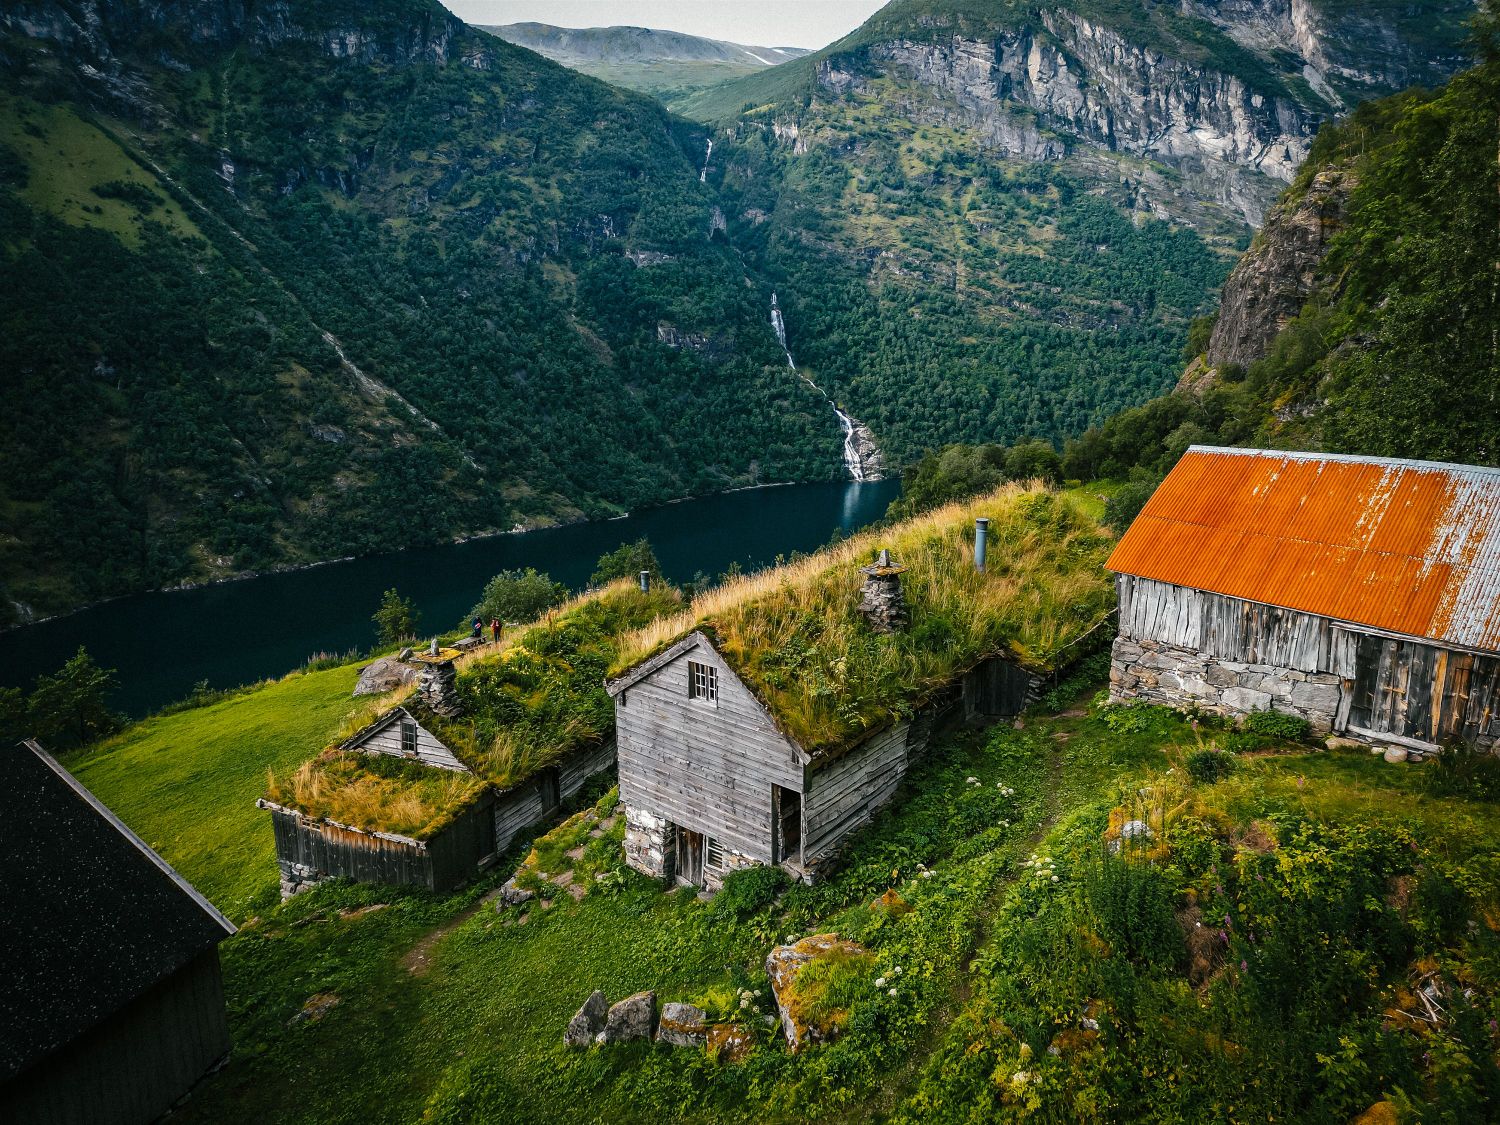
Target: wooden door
(786, 815)
(689, 857)
(551, 791)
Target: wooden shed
(1361, 593)
(111, 996)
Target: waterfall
(853, 461)
(703, 175)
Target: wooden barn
(1360, 593)
(726, 761)
(112, 1002)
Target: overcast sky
(759, 23)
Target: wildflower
(756, 994)
(898, 970)
(971, 780)
(1054, 878)
(744, 1003)
(880, 982)
(1243, 966)
(892, 992)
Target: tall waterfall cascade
(862, 456)
(707, 156)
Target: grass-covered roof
(796, 637)
(526, 706)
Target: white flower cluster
(1041, 868)
(1005, 790)
(748, 996)
(925, 872)
(881, 982)
(971, 781)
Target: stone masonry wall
(1162, 673)
(648, 843)
(299, 877)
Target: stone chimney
(881, 600)
(438, 685)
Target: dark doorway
(786, 813)
(551, 791)
(690, 857)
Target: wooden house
(111, 996)
(715, 772)
(1360, 593)
(710, 783)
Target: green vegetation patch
(526, 707)
(798, 639)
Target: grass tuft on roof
(796, 637)
(527, 706)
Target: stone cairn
(438, 686)
(881, 600)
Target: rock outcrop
(383, 675)
(785, 963)
(1276, 276)
(632, 1018)
(588, 1024)
(682, 1025)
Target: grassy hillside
(197, 210)
(381, 1005)
(187, 782)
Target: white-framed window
(703, 682)
(408, 738)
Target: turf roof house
(111, 1003)
(1361, 593)
(711, 781)
(311, 848)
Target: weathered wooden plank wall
(708, 768)
(1423, 692)
(430, 749)
(1224, 627)
(133, 1065)
(846, 793)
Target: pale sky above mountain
(763, 23)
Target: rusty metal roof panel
(1407, 546)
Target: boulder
(729, 1042)
(1395, 754)
(512, 895)
(632, 1018)
(385, 674)
(891, 903)
(784, 964)
(588, 1023)
(683, 1025)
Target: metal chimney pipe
(981, 532)
(645, 581)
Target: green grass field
(1352, 878)
(187, 782)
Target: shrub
(1209, 765)
(517, 596)
(1126, 503)
(1131, 904)
(627, 561)
(1278, 725)
(1462, 771)
(748, 890)
(1133, 718)
(396, 620)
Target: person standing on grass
(478, 629)
(495, 630)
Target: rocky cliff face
(1279, 272)
(1231, 124)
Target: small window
(713, 855)
(409, 738)
(703, 681)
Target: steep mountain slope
(311, 278)
(667, 64)
(988, 220)
(1364, 317)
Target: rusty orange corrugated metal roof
(1410, 547)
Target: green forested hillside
(190, 201)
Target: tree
(627, 562)
(1124, 505)
(71, 707)
(518, 595)
(396, 620)
(1033, 460)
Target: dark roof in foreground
(90, 917)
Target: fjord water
(238, 632)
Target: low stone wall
(649, 846)
(1162, 673)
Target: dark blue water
(239, 632)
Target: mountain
(314, 278)
(667, 64)
(1363, 317)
